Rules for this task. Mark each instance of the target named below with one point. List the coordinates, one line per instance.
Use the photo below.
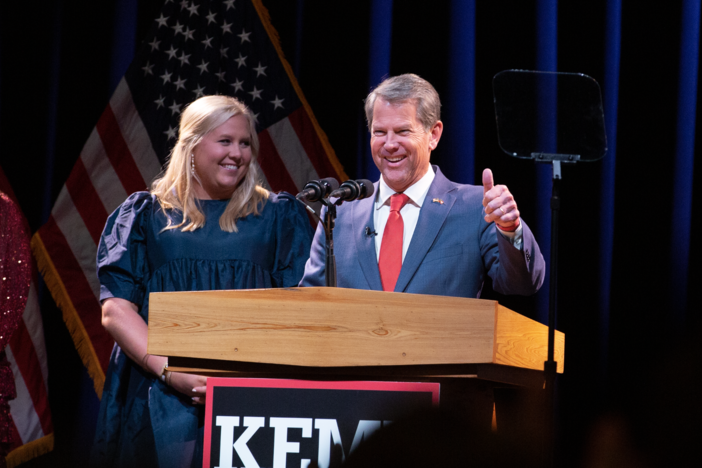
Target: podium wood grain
(336, 327)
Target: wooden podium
(334, 333)
(488, 359)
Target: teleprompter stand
(551, 118)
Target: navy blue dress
(142, 421)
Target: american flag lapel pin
(438, 200)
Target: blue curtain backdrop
(610, 85)
(681, 219)
(459, 112)
(627, 260)
(379, 52)
(546, 60)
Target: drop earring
(192, 164)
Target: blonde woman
(206, 224)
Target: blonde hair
(174, 188)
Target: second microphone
(354, 190)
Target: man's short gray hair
(405, 88)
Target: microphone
(315, 190)
(369, 232)
(354, 190)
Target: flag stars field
(205, 47)
(210, 33)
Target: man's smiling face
(400, 145)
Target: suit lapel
(431, 218)
(362, 217)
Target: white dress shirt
(410, 213)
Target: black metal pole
(550, 366)
(329, 259)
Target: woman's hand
(193, 386)
(121, 318)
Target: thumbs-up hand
(499, 204)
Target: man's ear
(436, 131)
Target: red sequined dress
(15, 279)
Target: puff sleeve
(122, 264)
(293, 241)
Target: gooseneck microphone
(354, 190)
(315, 190)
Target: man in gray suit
(422, 233)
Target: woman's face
(222, 159)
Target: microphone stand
(329, 259)
(328, 225)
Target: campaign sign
(277, 423)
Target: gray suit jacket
(451, 251)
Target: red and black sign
(275, 423)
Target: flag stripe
(83, 195)
(31, 319)
(292, 153)
(118, 152)
(22, 408)
(273, 166)
(27, 368)
(84, 305)
(313, 147)
(101, 173)
(134, 132)
(75, 233)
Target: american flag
(194, 48)
(32, 428)
(31, 416)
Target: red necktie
(390, 260)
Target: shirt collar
(416, 192)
